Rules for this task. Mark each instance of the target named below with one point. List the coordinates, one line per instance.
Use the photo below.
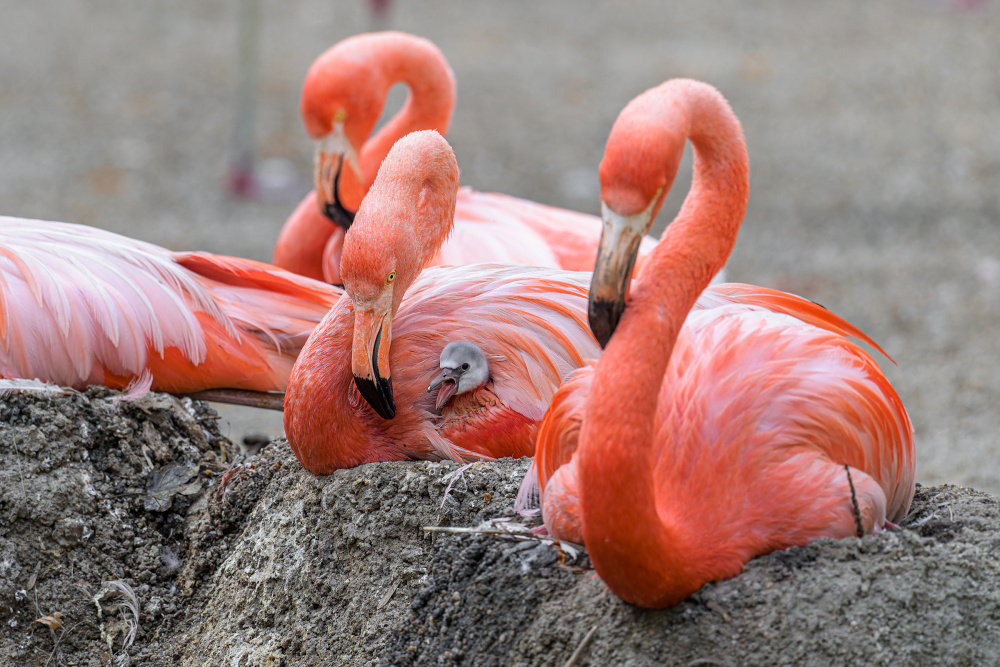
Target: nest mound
(135, 533)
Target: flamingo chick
(81, 306)
(342, 98)
(703, 438)
(464, 369)
(358, 392)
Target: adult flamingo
(342, 98)
(82, 306)
(702, 443)
(384, 338)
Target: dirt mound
(116, 533)
(109, 517)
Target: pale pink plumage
(83, 306)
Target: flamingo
(707, 436)
(358, 392)
(342, 98)
(81, 306)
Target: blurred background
(873, 130)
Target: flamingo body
(82, 306)
(390, 329)
(529, 321)
(351, 81)
(719, 427)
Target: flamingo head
(640, 163)
(463, 369)
(342, 99)
(401, 224)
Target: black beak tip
(378, 395)
(604, 316)
(339, 215)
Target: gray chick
(463, 369)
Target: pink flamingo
(82, 306)
(706, 437)
(382, 345)
(342, 98)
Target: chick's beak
(448, 380)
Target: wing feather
(80, 306)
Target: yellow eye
(339, 116)
(389, 278)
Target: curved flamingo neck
(645, 555)
(405, 219)
(302, 245)
(346, 433)
(418, 65)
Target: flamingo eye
(465, 367)
(339, 116)
(389, 278)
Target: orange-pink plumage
(385, 337)
(718, 427)
(342, 97)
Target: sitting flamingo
(705, 437)
(342, 98)
(82, 306)
(358, 392)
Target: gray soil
(122, 517)
(872, 130)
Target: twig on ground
(508, 529)
(579, 649)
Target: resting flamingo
(382, 342)
(81, 306)
(342, 98)
(705, 438)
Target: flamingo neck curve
(422, 68)
(643, 554)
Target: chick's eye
(465, 367)
(389, 278)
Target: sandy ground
(871, 129)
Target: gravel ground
(871, 130)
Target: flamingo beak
(616, 254)
(332, 151)
(448, 379)
(370, 360)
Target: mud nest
(135, 533)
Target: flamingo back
(82, 306)
(762, 413)
(571, 237)
(754, 356)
